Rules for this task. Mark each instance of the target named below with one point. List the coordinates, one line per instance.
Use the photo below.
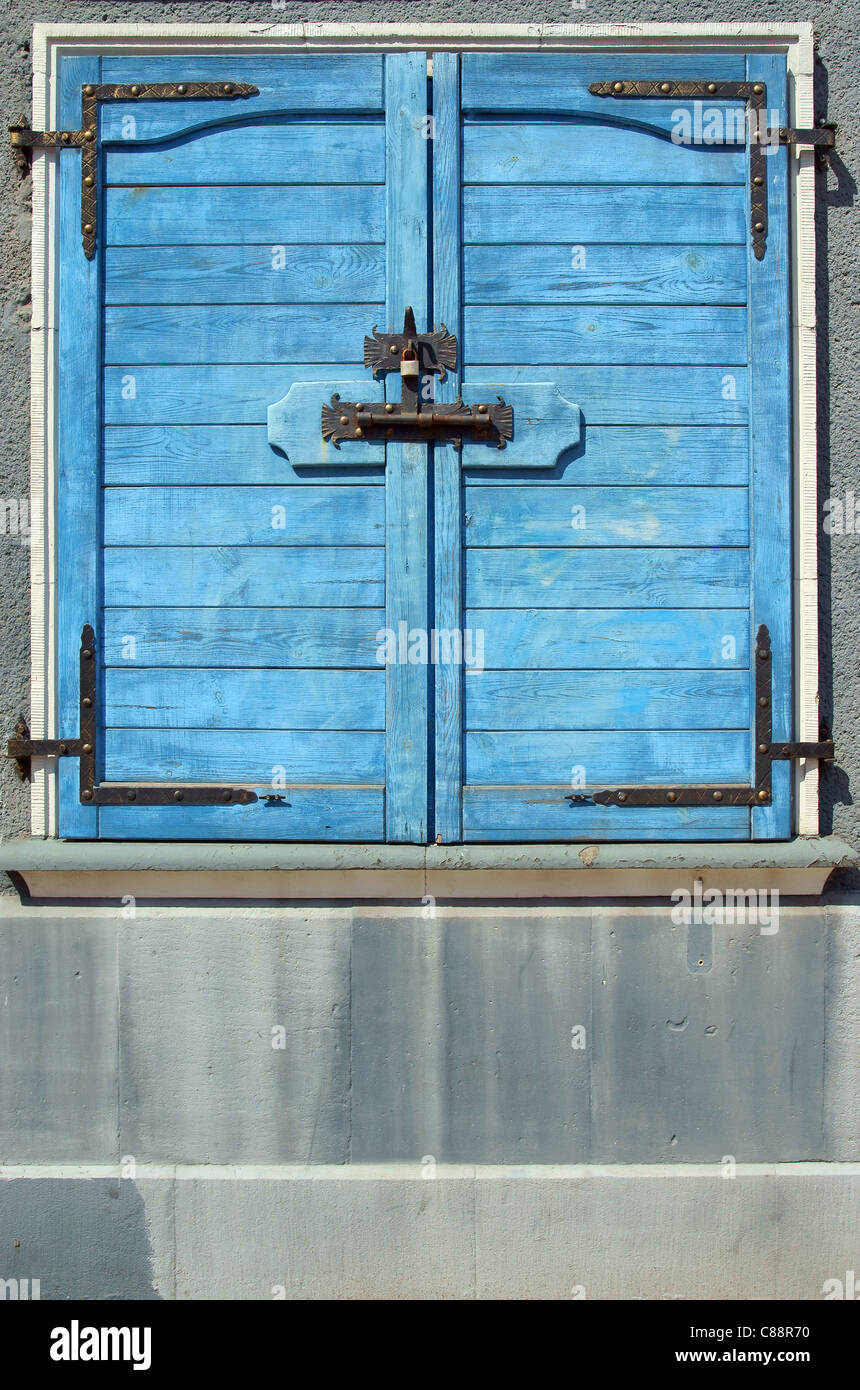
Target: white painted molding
(51, 41)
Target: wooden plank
(604, 759)
(305, 152)
(224, 577)
(606, 516)
(221, 333)
(546, 82)
(276, 214)
(611, 638)
(77, 482)
(541, 814)
(239, 637)
(583, 152)
(616, 578)
(288, 83)
(637, 395)
(607, 395)
(651, 699)
(237, 516)
(244, 274)
(251, 698)
(698, 455)
(329, 813)
(406, 490)
(770, 447)
(598, 274)
(447, 504)
(174, 454)
(269, 757)
(612, 333)
(581, 214)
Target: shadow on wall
(82, 1239)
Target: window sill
(46, 870)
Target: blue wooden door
(237, 574)
(406, 641)
(618, 585)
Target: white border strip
(52, 40)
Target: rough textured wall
(837, 23)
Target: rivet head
(182, 89)
(228, 87)
(618, 86)
(393, 348)
(758, 89)
(482, 409)
(88, 228)
(86, 702)
(88, 748)
(389, 410)
(665, 87)
(759, 227)
(389, 431)
(87, 653)
(178, 796)
(762, 748)
(344, 419)
(226, 795)
(622, 796)
(131, 795)
(89, 89)
(787, 751)
(89, 135)
(64, 748)
(712, 86)
(359, 433)
(359, 405)
(763, 654)
(763, 701)
(671, 796)
(86, 794)
(65, 137)
(135, 91)
(88, 180)
(758, 180)
(718, 796)
(763, 796)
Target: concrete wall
(417, 1047)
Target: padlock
(409, 362)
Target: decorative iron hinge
(766, 751)
(87, 138)
(412, 419)
(22, 748)
(754, 95)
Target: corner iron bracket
(22, 748)
(87, 138)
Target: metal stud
(228, 87)
(762, 748)
(712, 86)
(89, 89)
(763, 701)
(86, 794)
(178, 796)
(758, 89)
(344, 419)
(64, 748)
(763, 795)
(359, 433)
(618, 86)
(135, 91)
(87, 653)
(671, 796)
(763, 654)
(131, 796)
(482, 409)
(87, 702)
(622, 796)
(758, 180)
(182, 89)
(65, 137)
(89, 135)
(389, 410)
(665, 87)
(393, 348)
(759, 227)
(718, 796)
(88, 748)
(88, 228)
(226, 795)
(88, 180)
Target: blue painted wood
(269, 760)
(697, 455)
(279, 516)
(288, 84)
(301, 152)
(178, 454)
(253, 698)
(241, 637)
(661, 639)
(406, 490)
(78, 595)
(258, 576)
(309, 274)
(547, 83)
(651, 699)
(685, 335)
(546, 425)
(770, 446)
(607, 395)
(582, 214)
(295, 425)
(326, 813)
(584, 152)
(530, 576)
(447, 504)
(229, 333)
(541, 813)
(272, 213)
(603, 759)
(612, 516)
(598, 274)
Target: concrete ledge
(57, 869)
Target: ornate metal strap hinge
(87, 138)
(412, 419)
(754, 95)
(22, 748)
(766, 751)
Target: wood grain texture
(606, 699)
(242, 637)
(611, 516)
(251, 698)
(544, 639)
(267, 761)
(310, 274)
(278, 214)
(542, 814)
(180, 455)
(584, 213)
(655, 335)
(606, 759)
(257, 576)
(217, 333)
(622, 455)
(306, 813)
(673, 577)
(238, 516)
